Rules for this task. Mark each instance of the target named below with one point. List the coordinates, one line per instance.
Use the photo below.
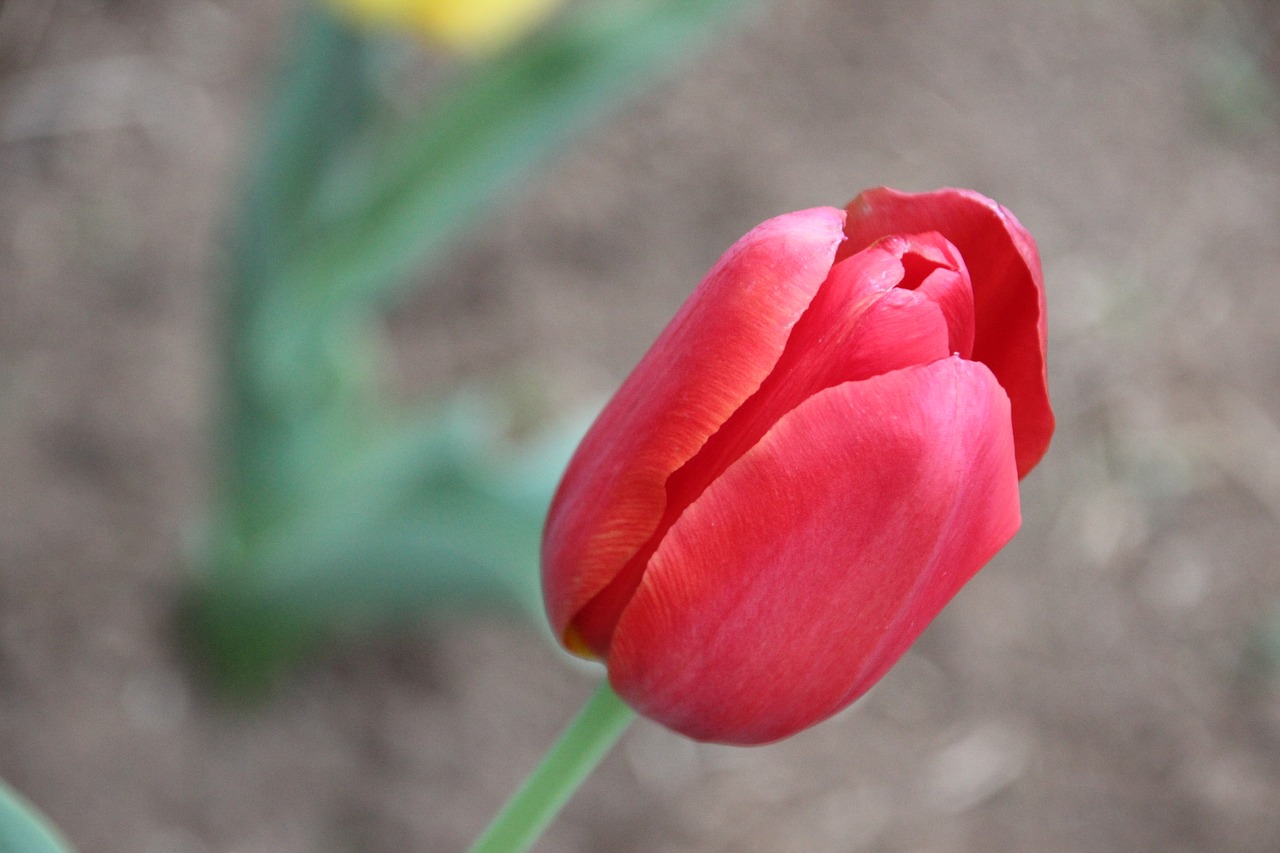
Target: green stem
(580, 748)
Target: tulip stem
(580, 748)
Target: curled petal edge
(1011, 333)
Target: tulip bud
(820, 449)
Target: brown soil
(1099, 687)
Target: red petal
(808, 568)
(1008, 290)
(713, 355)
(941, 276)
(859, 325)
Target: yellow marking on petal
(576, 645)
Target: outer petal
(1008, 290)
(859, 325)
(804, 572)
(711, 357)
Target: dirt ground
(1102, 686)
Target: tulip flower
(821, 448)
(463, 26)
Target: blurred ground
(1097, 688)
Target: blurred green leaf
(322, 97)
(300, 364)
(23, 829)
(431, 180)
(1260, 663)
(447, 508)
(328, 517)
(441, 517)
(280, 368)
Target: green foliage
(431, 178)
(333, 510)
(442, 517)
(23, 829)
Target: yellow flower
(463, 26)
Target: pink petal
(808, 568)
(1008, 290)
(713, 355)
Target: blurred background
(1108, 683)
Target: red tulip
(819, 450)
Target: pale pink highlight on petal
(809, 567)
